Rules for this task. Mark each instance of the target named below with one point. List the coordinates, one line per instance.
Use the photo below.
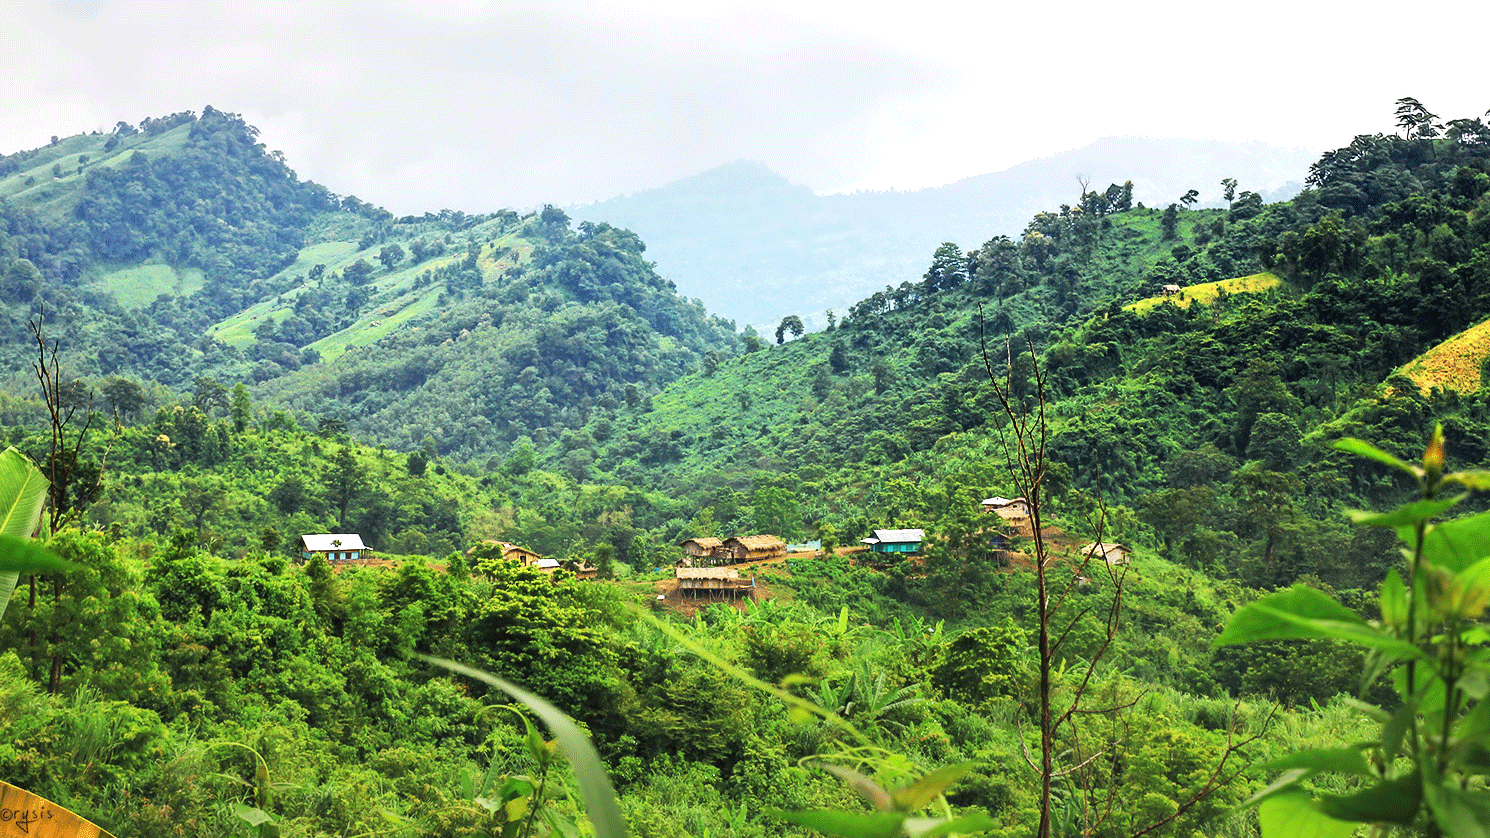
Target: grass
(1208, 292)
(55, 197)
(138, 286)
(371, 329)
(1454, 364)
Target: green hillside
(438, 382)
(182, 250)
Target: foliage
(1426, 759)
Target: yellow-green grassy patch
(1207, 292)
(1454, 364)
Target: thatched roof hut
(1113, 554)
(751, 548)
(694, 582)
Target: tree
(1024, 438)
(344, 481)
(884, 375)
(948, 269)
(838, 359)
(210, 393)
(1416, 121)
(358, 272)
(242, 407)
(391, 255)
(1169, 222)
(125, 397)
(791, 323)
(775, 511)
(1189, 198)
(1228, 189)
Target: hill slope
(755, 247)
(182, 250)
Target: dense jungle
(205, 358)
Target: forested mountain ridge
(741, 226)
(183, 250)
(1156, 409)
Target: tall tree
(791, 323)
(344, 481)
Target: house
(1017, 507)
(1171, 290)
(895, 541)
(580, 569)
(1015, 513)
(713, 582)
(1113, 554)
(513, 553)
(699, 551)
(750, 548)
(333, 547)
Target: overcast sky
(477, 105)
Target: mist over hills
(755, 247)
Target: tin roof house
(332, 547)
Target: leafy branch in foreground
(23, 493)
(594, 785)
(1432, 756)
(896, 811)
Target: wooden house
(713, 583)
(698, 552)
(750, 548)
(1015, 513)
(581, 569)
(513, 553)
(1113, 554)
(895, 541)
(1010, 506)
(333, 547)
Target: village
(709, 569)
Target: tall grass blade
(594, 785)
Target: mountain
(754, 247)
(182, 251)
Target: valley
(525, 422)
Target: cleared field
(139, 286)
(369, 330)
(1207, 292)
(1454, 364)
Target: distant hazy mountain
(754, 247)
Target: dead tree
(1024, 438)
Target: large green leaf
(1390, 801)
(23, 492)
(1371, 452)
(918, 795)
(1405, 515)
(1292, 814)
(1302, 613)
(1462, 814)
(1457, 544)
(848, 824)
(21, 556)
(1342, 760)
(594, 786)
(937, 827)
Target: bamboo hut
(699, 552)
(750, 548)
(713, 583)
(1113, 554)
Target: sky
(477, 105)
